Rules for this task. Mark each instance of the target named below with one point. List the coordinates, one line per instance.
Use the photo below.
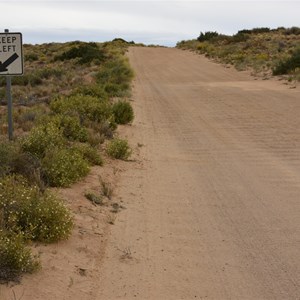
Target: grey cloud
(164, 22)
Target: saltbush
(123, 112)
(62, 167)
(119, 149)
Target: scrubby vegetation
(83, 53)
(263, 50)
(123, 112)
(67, 105)
(289, 65)
(119, 149)
(27, 213)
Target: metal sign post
(11, 63)
(9, 108)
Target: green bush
(89, 153)
(255, 30)
(32, 79)
(117, 71)
(72, 129)
(63, 167)
(28, 115)
(117, 90)
(8, 153)
(86, 107)
(31, 57)
(94, 90)
(240, 37)
(69, 125)
(288, 65)
(13, 160)
(119, 149)
(123, 112)
(84, 52)
(42, 138)
(38, 216)
(293, 30)
(15, 257)
(29, 166)
(207, 36)
(46, 218)
(46, 73)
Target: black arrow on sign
(3, 66)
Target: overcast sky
(158, 22)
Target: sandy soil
(212, 196)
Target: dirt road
(213, 207)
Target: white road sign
(11, 54)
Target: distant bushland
(262, 50)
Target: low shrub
(95, 199)
(123, 112)
(94, 90)
(288, 65)
(207, 36)
(62, 167)
(31, 79)
(116, 71)
(15, 257)
(240, 37)
(95, 138)
(29, 166)
(89, 153)
(30, 114)
(117, 90)
(48, 218)
(293, 30)
(255, 30)
(31, 57)
(46, 73)
(38, 216)
(8, 153)
(26, 120)
(105, 128)
(42, 138)
(69, 125)
(106, 189)
(83, 52)
(119, 149)
(86, 107)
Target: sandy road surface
(213, 208)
